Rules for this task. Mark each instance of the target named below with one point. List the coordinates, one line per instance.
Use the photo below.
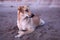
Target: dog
(27, 21)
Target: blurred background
(40, 3)
(49, 11)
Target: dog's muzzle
(31, 16)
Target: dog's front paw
(17, 36)
(20, 34)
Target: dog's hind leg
(30, 30)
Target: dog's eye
(26, 10)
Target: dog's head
(24, 11)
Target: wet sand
(50, 31)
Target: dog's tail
(42, 22)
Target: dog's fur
(25, 23)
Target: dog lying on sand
(27, 21)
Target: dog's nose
(32, 15)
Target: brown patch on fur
(36, 20)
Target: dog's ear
(20, 8)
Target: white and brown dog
(26, 21)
